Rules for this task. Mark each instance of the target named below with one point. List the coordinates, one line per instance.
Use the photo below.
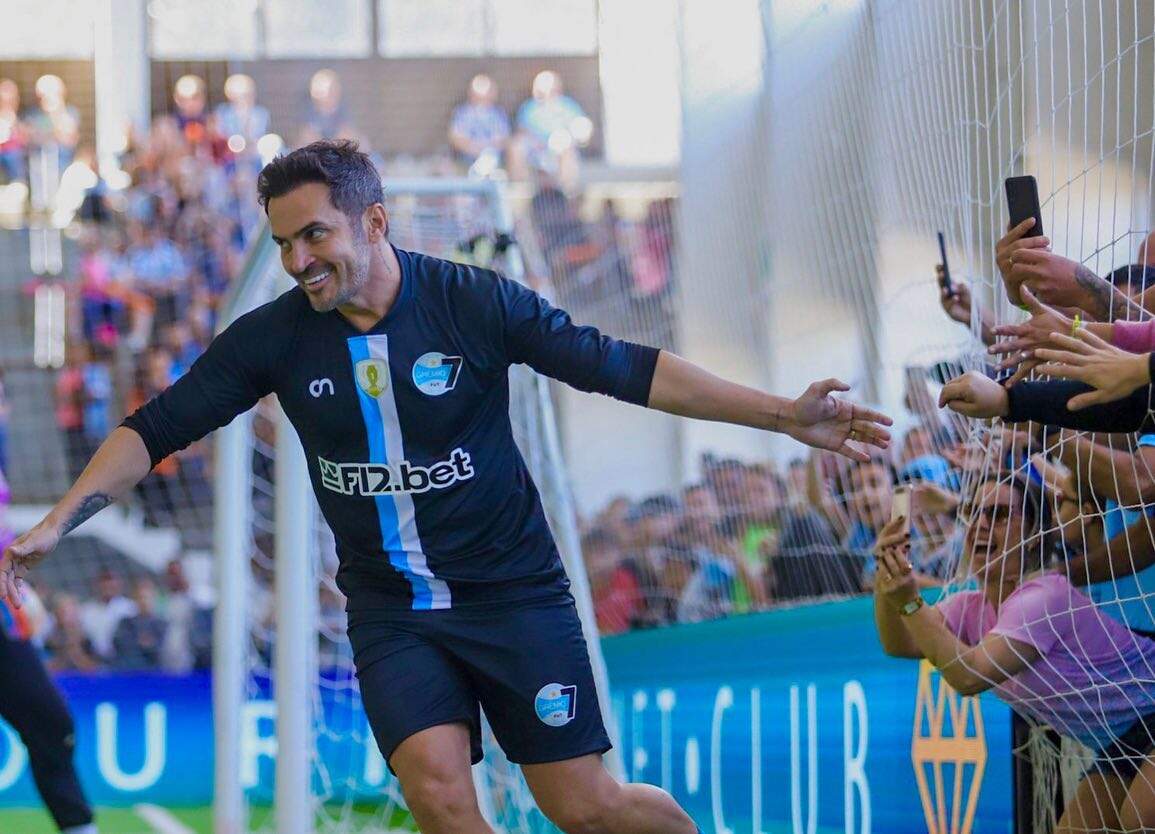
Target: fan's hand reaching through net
(975, 395)
(1026, 337)
(1113, 372)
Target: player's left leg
(531, 670)
(32, 704)
(581, 797)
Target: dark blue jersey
(406, 428)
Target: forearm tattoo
(89, 506)
(1103, 295)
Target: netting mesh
(889, 122)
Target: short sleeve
(1034, 614)
(228, 379)
(536, 333)
(957, 611)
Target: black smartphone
(944, 278)
(1023, 202)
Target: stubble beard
(358, 278)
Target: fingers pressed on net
(1072, 342)
(1064, 357)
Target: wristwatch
(908, 608)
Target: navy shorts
(526, 665)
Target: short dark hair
(1133, 278)
(353, 181)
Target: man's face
(327, 258)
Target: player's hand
(956, 302)
(21, 555)
(1013, 241)
(1113, 372)
(1026, 337)
(821, 420)
(975, 395)
(894, 578)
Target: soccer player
(393, 368)
(34, 707)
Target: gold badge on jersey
(372, 376)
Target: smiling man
(393, 368)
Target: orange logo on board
(949, 753)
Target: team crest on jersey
(372, 376)
(556, 704)
(435, 373)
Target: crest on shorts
(556, 704)
(372, 376)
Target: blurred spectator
(101, 617)
(13, 134)
(159, 269)
(188, 637)
(189, 94)
(103, 311)
(327, 118)
(5, 415)
(67, 645)
(551, 128)
(653, 256)
(54, 123)
(240, 119)
(722, 581)
(139, 638)
(871, 487)
(615, 584)
(158, 489)
(69, 409)
(177, 338)
(479, 129)
(96, 377)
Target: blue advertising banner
(794, 721)
(790, 721)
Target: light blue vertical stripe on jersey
(386, 506)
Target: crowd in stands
(749, 536)
(159, 243)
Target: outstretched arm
(225, 381)
(816, 418)
(120, 462)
